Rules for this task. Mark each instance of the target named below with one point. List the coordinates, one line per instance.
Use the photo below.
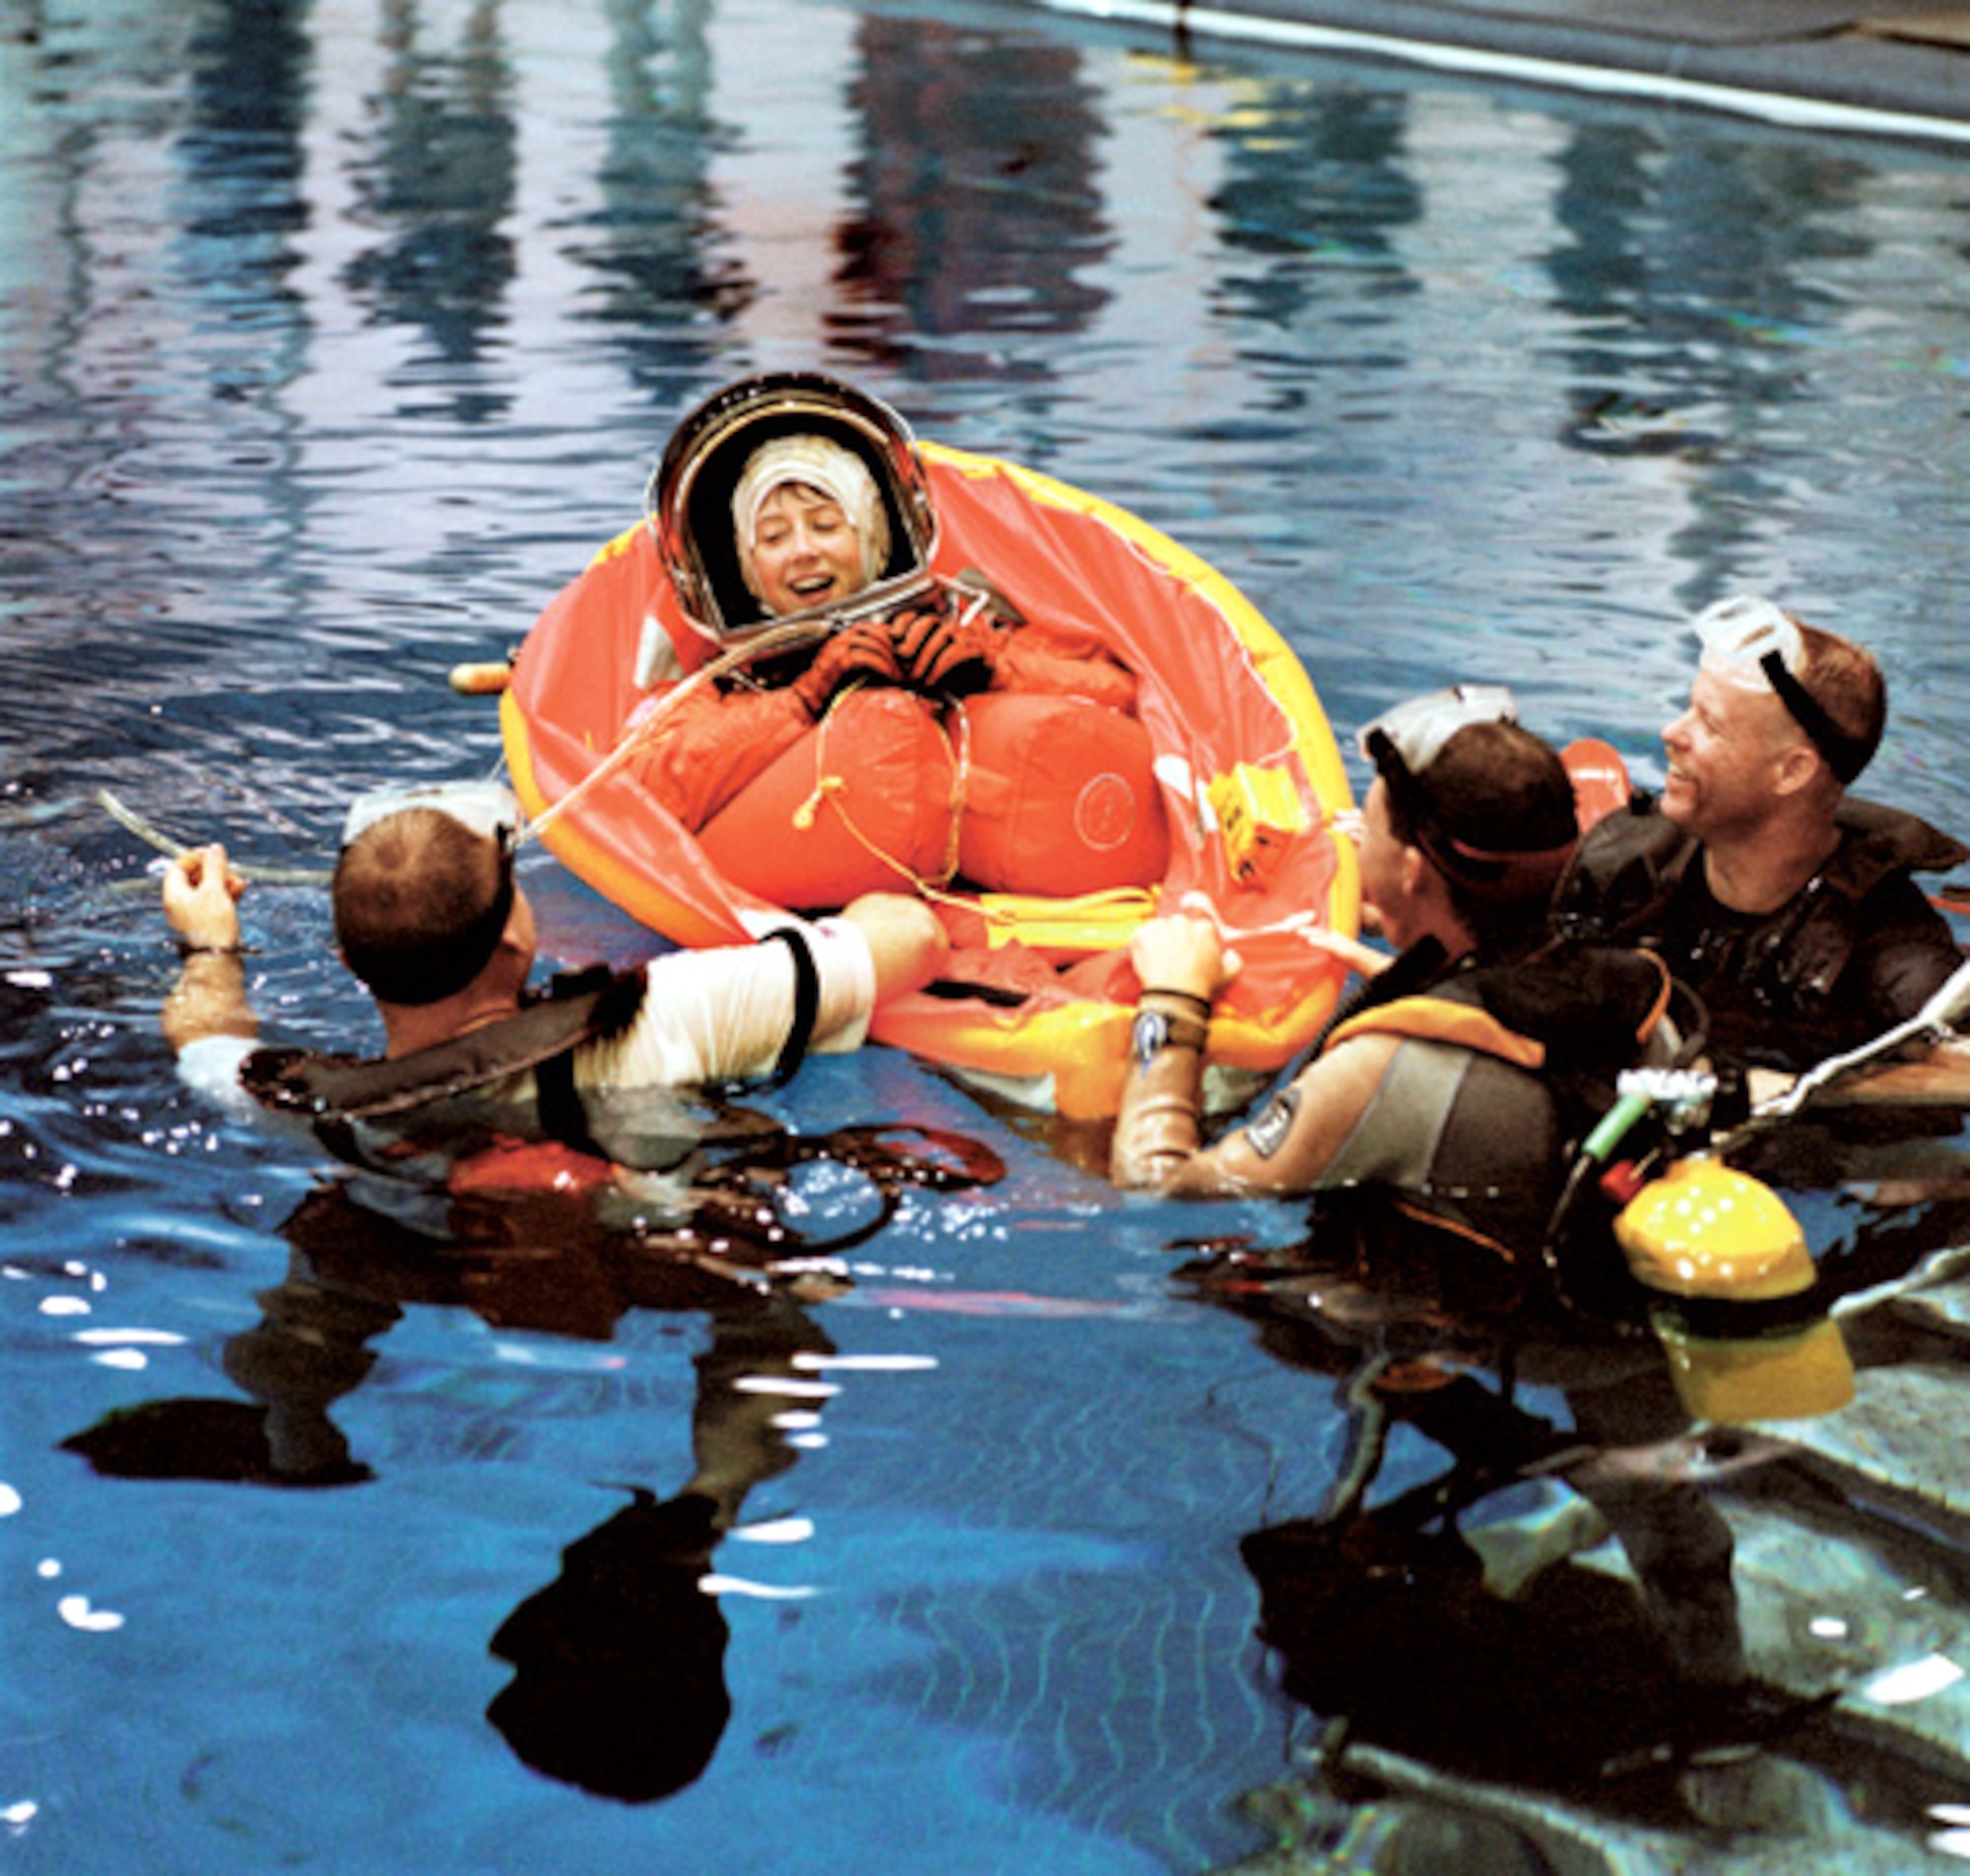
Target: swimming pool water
(336, 336)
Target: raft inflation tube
(1220, 790)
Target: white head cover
(816, 463)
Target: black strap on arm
(559, 1102)
(807, 1004)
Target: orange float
(1229, 744)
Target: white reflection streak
(866, 1364)
(775, 1530)
(77, 1613)
(785, 1384)
(1915, 1680)
(716, 1585)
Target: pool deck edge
(1894, 70)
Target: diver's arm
(724, 1013)
(1286, 1148)
(1183, 964)
(201, 900)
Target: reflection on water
(334, 336)
(620, 1685)
(1560, 1605)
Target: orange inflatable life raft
(1044, 829)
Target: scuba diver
(1462, 1073)
(429, 915)
(1786, 905)
(474, 1181)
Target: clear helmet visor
(814, 419)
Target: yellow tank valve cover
(1706, 1229)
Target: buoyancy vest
(1779, 989)
(422, 1102)
(336, 1092)
(1515, 1061)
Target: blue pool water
(335, 337)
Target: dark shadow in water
(1446, 1625)
(619, 1682)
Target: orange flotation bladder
(1006, 791)
(862, 803)
(1061, 798)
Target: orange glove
(953, 656)
(862, 651)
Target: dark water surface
(333, 338)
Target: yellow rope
(829, 790)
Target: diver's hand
(201, 899)
(1184, 955)
(955, 656)
(862, 652)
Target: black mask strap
(1845, 756)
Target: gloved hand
(862, 651)
(953, 656)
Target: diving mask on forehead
(1505, 847)
(1416, 731)
(487, 809)
(1752, 644)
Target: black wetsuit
(1856, 949)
